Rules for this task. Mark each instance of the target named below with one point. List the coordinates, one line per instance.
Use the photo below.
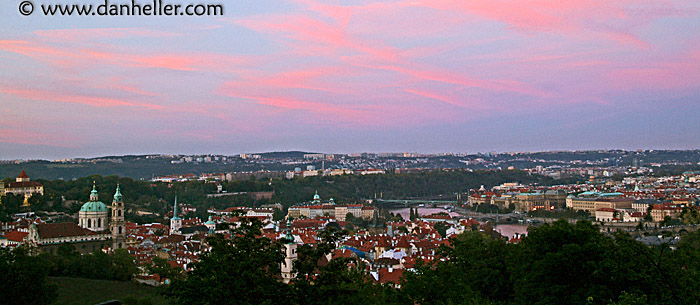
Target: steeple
(117, 195)
(117, 224)
(93, 194)
(175, 213)
(175, 221)
(290, 250)
(288, 232)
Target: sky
(352, 76)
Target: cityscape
(388, 224)
(303, 152)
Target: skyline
(353, 76)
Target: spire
(117, 194)
(93, 194)
(288, 232)
(175, 214)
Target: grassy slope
(84, 291)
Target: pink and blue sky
(353, 76)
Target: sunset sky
(353, 76)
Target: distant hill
(148, 166)
(285, 154)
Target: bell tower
(290, 255)
(176, 221)
(118, 225)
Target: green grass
(85, 291)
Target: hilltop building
(22, 186)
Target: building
(23, 186)
(330, 209)
(176, 221)
(94, 230)
(660, 211)
(49, 236)
(591, 201)
(290, 255)
(118, 224)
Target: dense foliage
(98, 265)
(242, 270)
(23, 278)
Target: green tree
(123, 266)
(475, 265)
(339, 281)
(242, 270)
(161, 267)
(23, 279)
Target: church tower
(290, 254)
(118, 225)
(176, 221)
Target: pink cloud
(24, 136)
(436, 96)
(81, 56)
(323, 35)
(56, 96)
(614, 20)
(313, 107)
(92, 34)
(683, 74)
(449, 77)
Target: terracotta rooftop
(66, 229)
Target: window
(89, 223)
(119, 212)
(120, 230)
(99, 222)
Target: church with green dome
(96, 228)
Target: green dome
(93, 206)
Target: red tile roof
(385, 276)
(16, 236)
(66, 229)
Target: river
(508, 230)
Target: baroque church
(97, 227)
